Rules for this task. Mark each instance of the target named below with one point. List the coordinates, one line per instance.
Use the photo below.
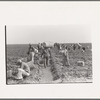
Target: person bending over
(23, 70)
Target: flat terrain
(54, 73)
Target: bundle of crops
(15, 71)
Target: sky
(26, 34)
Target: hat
(19, 61)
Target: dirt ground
(65, 74)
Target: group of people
(46, 53)
(43, 52)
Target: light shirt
(25, 67)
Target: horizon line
(42, 42)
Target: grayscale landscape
(79, 55)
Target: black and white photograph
(50, 49)
(48, 54)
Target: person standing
(66, 57)
(30, 48)
(45, 57)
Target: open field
(55, 72)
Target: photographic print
(48, 54)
